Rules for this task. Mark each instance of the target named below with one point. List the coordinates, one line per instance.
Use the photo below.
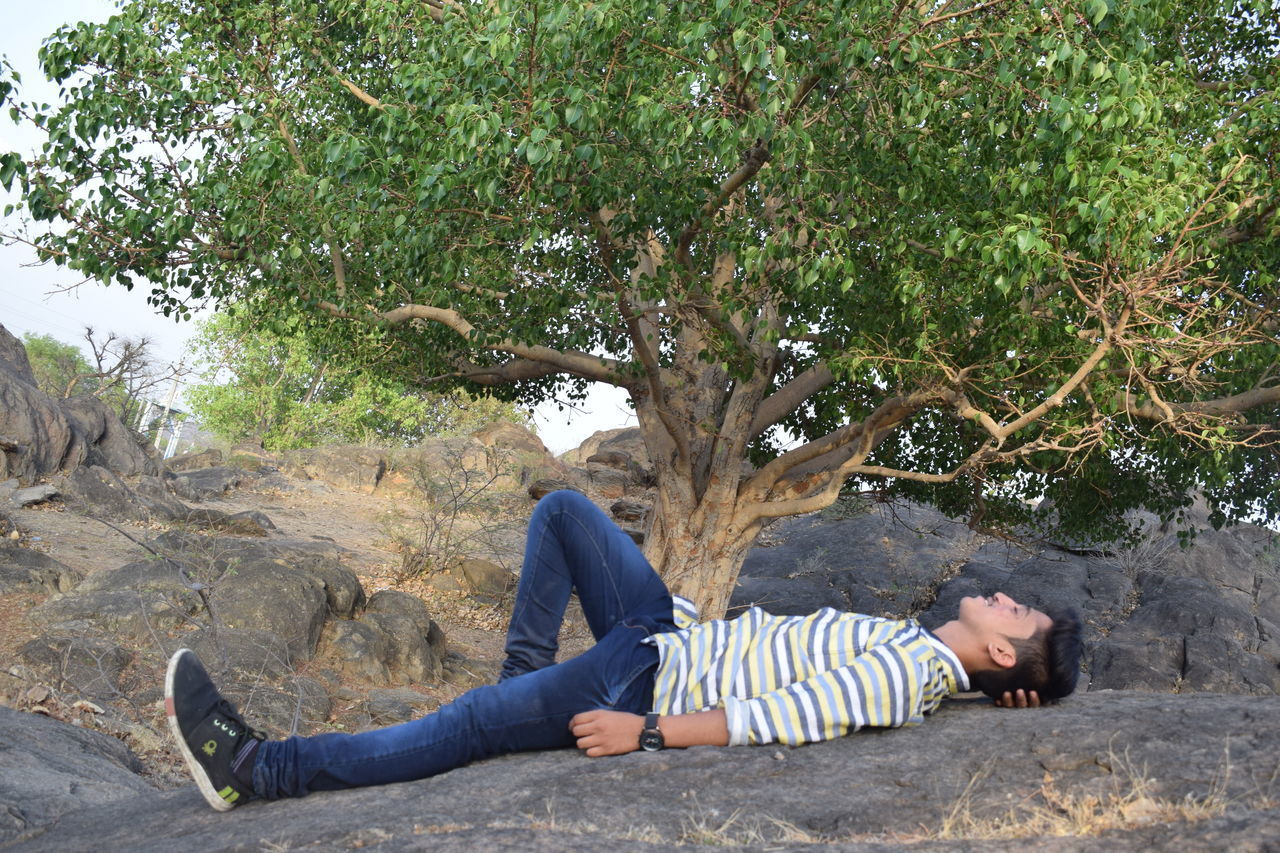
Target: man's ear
(1002, 652)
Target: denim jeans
(571, 545)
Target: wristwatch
(651, 738)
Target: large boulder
(99, 492)
(873, 559)
(88, 666)
(510, 436)
(40, 436)
(627, 440)
(36, 439)
(107, 441)
(49, 769)
(203, 483)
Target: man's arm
(603, 732)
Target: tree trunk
(699, 551)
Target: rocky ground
(304, 560)
(367, 528)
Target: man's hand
(1021, 699)
(607, 732)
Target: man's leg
(572, 545)
(518, 714)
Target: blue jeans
(571, 545)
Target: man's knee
(561, 501)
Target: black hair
(1048, 661)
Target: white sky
(46, 300)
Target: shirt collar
(954, 670)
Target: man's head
(1024, 648)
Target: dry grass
(1132, 802)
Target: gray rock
(246, 523)
(49, 769)
(389, 601)
(96, 491)
(36, 439)
(249, 653)
(24, 569)
(294, 704)
(318, 560)
(388, 706)
(539, 489)
(264, 596)
(357, 649)
(968, 761)
(879, 560)
(128, 614)
(349, 467)
(33, 495)
(402, 604)
(88, 666)
(1158, 617)
(409, 657)
(108, 442)
(195, 461)
(483, 578)
(205, 483)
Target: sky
(46, 300)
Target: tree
(122, 369)
(57, 367)
(974, 251)
(282, 388)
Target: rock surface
(49, 768)
(40, 436)
(1158, 617)
(869, 791)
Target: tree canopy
(281, 386)
(975, 251)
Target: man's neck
(971, 653)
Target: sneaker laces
(228, 711)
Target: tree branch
(756, 157)
(791, 396)
(596, 368)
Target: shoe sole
(197, 770)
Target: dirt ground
(364, 525)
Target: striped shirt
(798, 679)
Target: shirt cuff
(737, 715)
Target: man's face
(993, 615)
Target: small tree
(58, 367)
(285, 387)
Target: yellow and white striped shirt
(798, 679)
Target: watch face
(651, 741)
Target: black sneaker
(210, 732)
